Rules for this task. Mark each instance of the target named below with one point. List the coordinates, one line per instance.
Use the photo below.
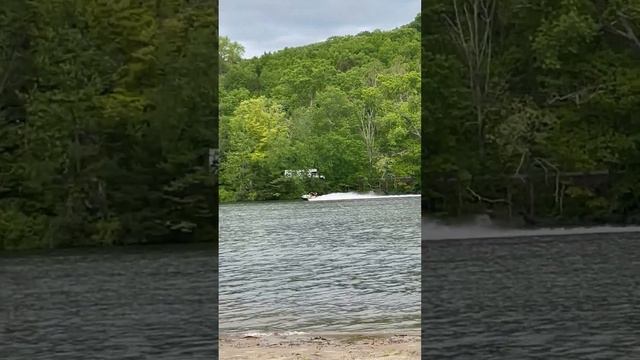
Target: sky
(270, 25)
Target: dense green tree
(106, 117)
(522, 98)
(348, 106)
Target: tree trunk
(480, 120)
(367, 128)
(509, 200)
(460, 202)
(561, 202)
(472, 30)
(532, 197)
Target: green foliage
(20, 231)
(107, 112)
(348, 106)
(561, 98)
(567, 33)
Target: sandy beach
(327, 346)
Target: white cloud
(270, 25)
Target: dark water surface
(151, 302)
(541, 297)
(326, 266)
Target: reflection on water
(320, 266)
(155, 302)
(482, 227)
(538, 297)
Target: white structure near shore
(310, 173)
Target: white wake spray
(483, 228)
(357, 196)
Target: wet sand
(327, 346)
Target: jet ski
(309, 196)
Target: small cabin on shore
(309, 173)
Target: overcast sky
(269, 25)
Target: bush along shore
(107, 114)
(538, 121)
(348, 107)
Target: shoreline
(298, 199)
(153, 246)
(389, 345)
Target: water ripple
(147, 302)
(545, 297)
(329, 266)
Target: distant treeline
(107, 112)
(532, 107)
(349, 107)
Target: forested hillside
(532, 106)
(349, 107)
(106, 116)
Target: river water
(325, 266)
(147, 302)
(540, 296)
